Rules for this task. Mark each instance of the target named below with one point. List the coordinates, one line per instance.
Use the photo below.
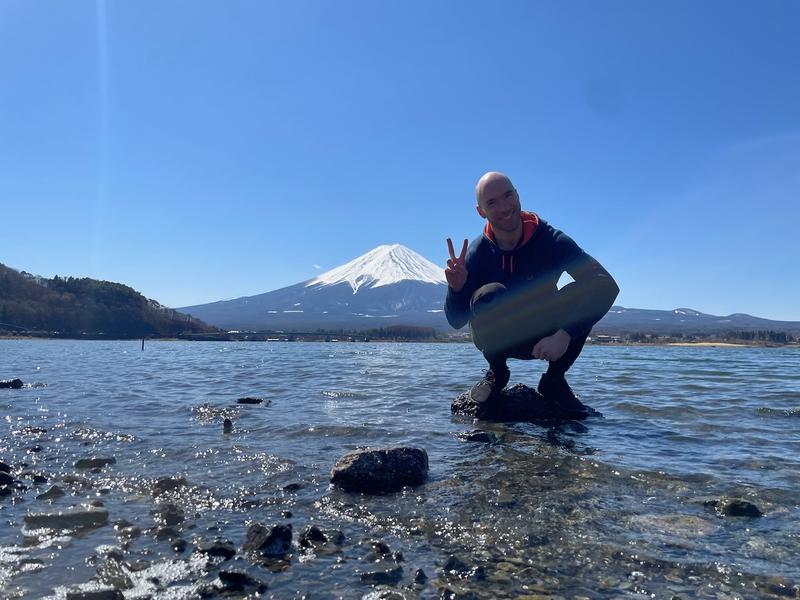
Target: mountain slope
(85, 306)
(389, 285)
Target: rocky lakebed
(490, 508)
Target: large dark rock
(517, 403)
(4, 468)
(14, 384)
(261, 541)
(380, 471)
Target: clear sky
(200, 151)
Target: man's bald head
(491, 180)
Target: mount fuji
(389, 285)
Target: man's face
(499, 204)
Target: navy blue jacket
(535, 266)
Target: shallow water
(613, 507)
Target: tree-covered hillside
(83, 306)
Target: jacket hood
(530, 221)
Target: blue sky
(198, 151)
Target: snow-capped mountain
(385, 265)
(389, 285)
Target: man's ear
(480, 211)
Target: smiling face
(498, 203)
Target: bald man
(505, 285)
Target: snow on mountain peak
(383, 265)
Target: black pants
(508, 325)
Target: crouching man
(505, 285)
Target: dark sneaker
(489, 387)
(556, 389)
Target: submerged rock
(109, 594)
(4, 468)
(14, 384)
(223, 548)
(166, 484)
(517, 403)
(383, 573)
(238, 581)
(276, 541)
(68, 519)
(734, 507)
(95, 463)
(253, 401)
(51, 494)
(313, 536)
(379, 471)
(6, 479)
(227, 425)
(485, 437)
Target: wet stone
(381, 471)
(227, 425)
(169, 514)
(5, 491)
(39, 479)
(4, 468)
(276, 541)
(420, 577)
(517, 403)
(51, 494)
(95, 463)
(167, 484)
(14, 384)
(179, 545)
(485, 437)
(237, 581)
(734, 507)
(6, 479)
(223, 548)
(69, 519)
(253, 401)
(167, 533)
(385, 573)
(113, 573)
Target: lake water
(619, 506)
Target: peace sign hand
(456, 271)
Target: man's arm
(596, 288)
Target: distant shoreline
(704, 344)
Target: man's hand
(456, 271)
(552, 347)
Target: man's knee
(486, 296)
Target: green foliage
(82, 306)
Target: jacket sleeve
(456, 304)
(595, 289)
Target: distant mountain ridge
(83, 306)
(392, 284)
(389, 285)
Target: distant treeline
(765, 336)
(84, 306)
(392, 332)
